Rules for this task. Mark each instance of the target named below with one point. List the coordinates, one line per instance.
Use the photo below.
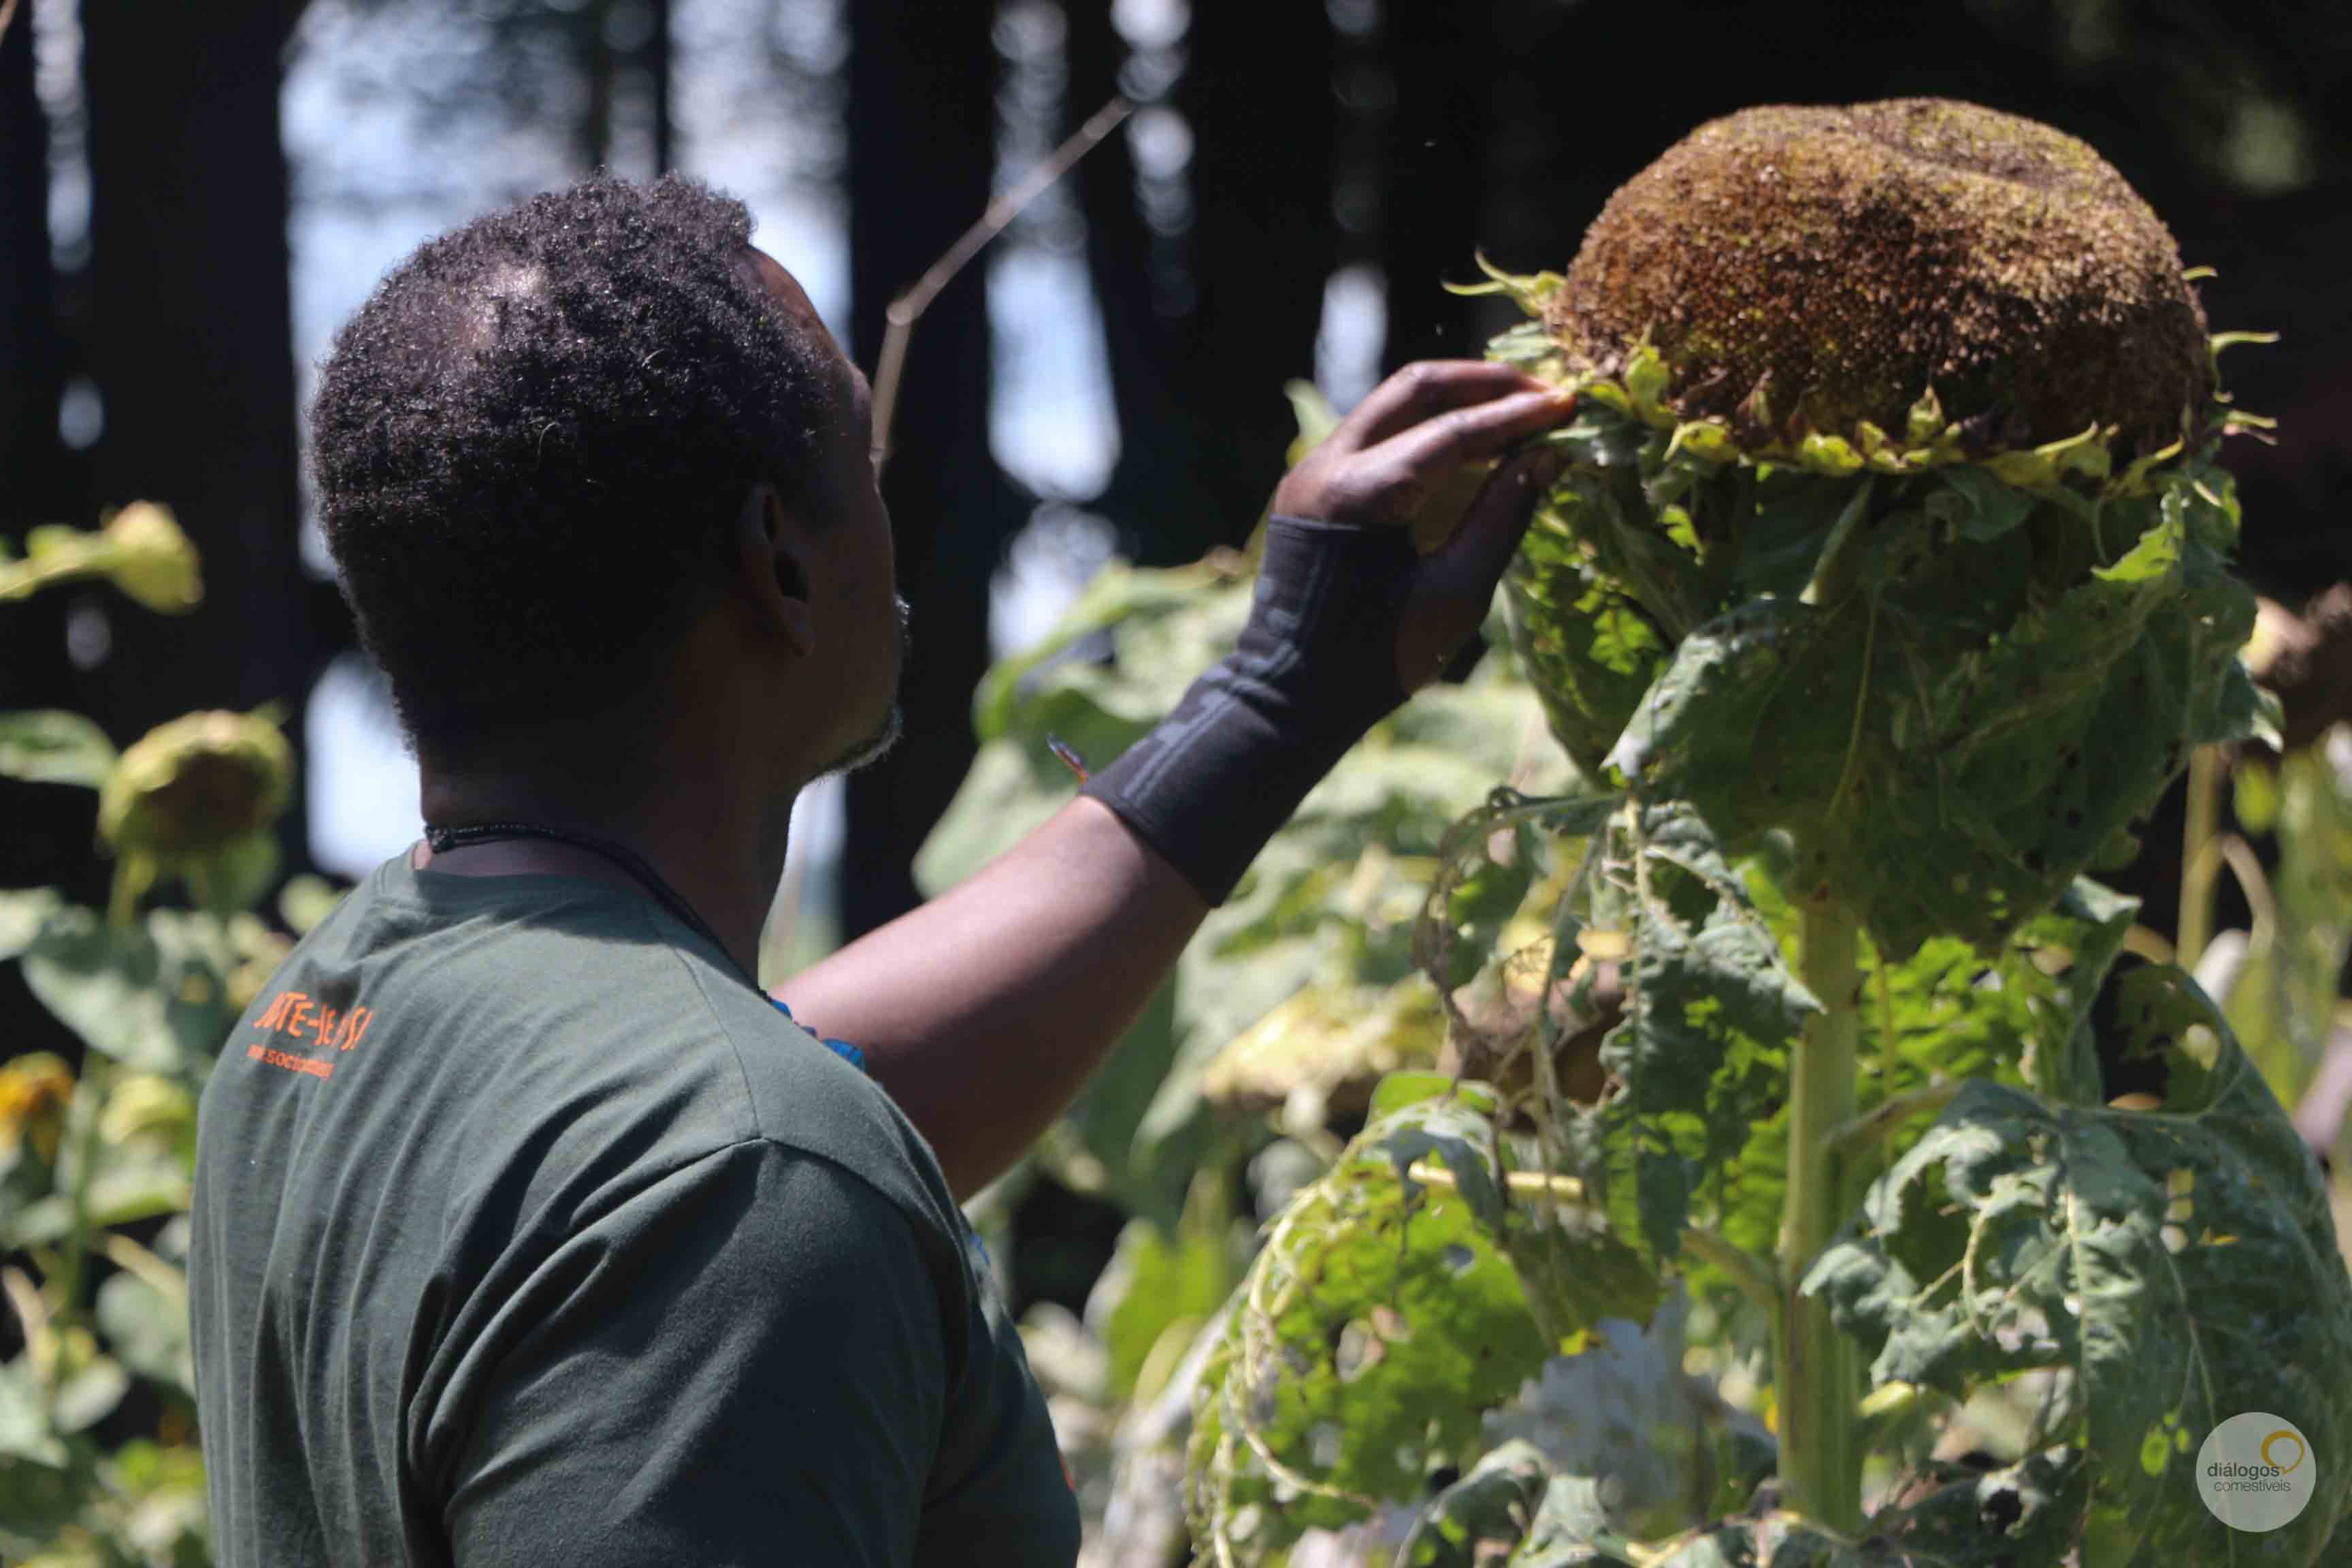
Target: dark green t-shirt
(526, 1232)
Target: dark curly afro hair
(531, 442)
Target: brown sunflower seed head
(1808, 268)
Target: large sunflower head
(1804, 270)
(1892, 520)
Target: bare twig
(1879, 1121)
(1560, 1188)
(899, 320)
(1756, 1279)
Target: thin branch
(1564, 1189)
(2320, 1114)
(1755, 1278)
(2248, 870)
(1881, 1120)
(899, 320)
(2198, 861)
(32, 1314)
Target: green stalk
(2199, 869)
(1816, 1376)
(87, 1106)
(86, 556)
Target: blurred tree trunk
(1441, 64)
(611, 46)
(48, 837)
(1257, 91)
(922, 117)
(1155, 498)
(192, 353)
(654, 60)
(1203, 328)
(29, 385)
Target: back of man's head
(532, 440)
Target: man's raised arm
(984, 1010)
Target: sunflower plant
(1886, 589)
(99, 1459)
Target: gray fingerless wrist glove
(1315, 669)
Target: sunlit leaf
(147, 1325)
(1485, 1512)
(24, 1432)
(49, 746)
(1383, 1316)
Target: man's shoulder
(807, 1094)
(577, 1040)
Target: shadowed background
(192, 198)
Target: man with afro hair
(526, 1228)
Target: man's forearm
(983, 1010)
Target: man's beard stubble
(885, 734)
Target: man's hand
(1399, 451)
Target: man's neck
(707, 851)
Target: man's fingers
(1489, 429)
(1425, 389)
(1457, 582)
(1473, 559)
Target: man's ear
(774, 565)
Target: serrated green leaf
(1383, 1316)
(2180, 1264)
(1399, 1089)
(1568, 1533)
(1954, 742)
(1487, 1511)
(2001, 764)
(106, 984)
(1702, 1053)
(1974, 505)
(1665, 1451)
(1762, 692)
(1570, 1528)
(1587, 646)
(1479, 904)
(2023, 1513)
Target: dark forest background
(1396, 135)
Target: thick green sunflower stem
(1817, 1377)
